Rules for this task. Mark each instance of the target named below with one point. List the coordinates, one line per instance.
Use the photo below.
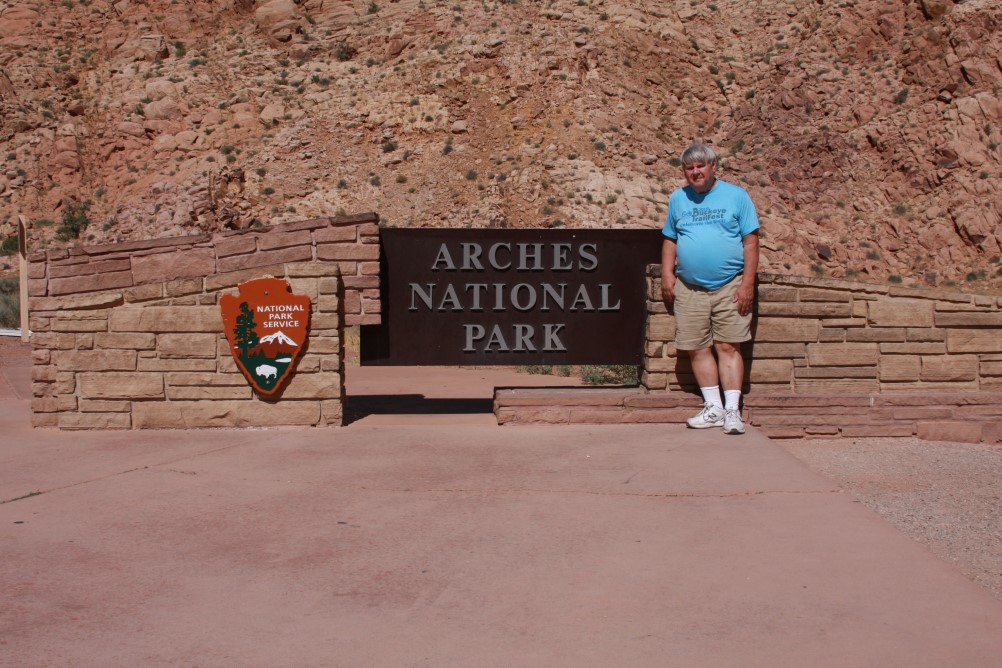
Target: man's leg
(731, 365)
(732, 371)
(704, 367)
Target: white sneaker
(710, 416)
(733, 423)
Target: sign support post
(22, 250)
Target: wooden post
(22, 250)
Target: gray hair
(699, 153)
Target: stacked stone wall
(836, 357)
(130, 335)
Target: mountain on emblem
(262, 326)
(278, 337)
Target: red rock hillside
(867, 131)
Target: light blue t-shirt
(708, 229)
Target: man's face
(700, 175)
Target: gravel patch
(945, 495)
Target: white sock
(711, 395)
(732, 399)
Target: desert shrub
(10, 303)
(75, 220)
(610, 374)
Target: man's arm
(669, 249)
(745, 296)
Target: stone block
(822, 430)
(786, 329)
(361, 283)
(276, 240)
(98, 406)
(836, 372)
(654, 381)
(262, 259)
(38, 287)
(125, 341)
(199, 392)
(858, 385)
(878, 430)
(779, 351)
(899, 368)
(120, 385)
(770, 371)
(901, 312)
(75, 421)
(44, 373)
(778, 432)
(973, 341)
(328, 303)
(924, 335)
(823, 295)
(183, 286)
(990, 368)
(330, 285)
(233, 278)
(354, 320)
(186, 263)
(766, 293)
(332, 412)
(661, 328)
(877, 334)
(842, 354)
(96, 360)
(949, 368)
(922, 413)
(186, 346)
(350, 252)
(986, 319)
(950, 430)
(332, 235)
(200, 414)
(208, 379)
(156, 364)
(805, 310)
(67, 270)
(312, 386)
(53, 341)
(832, 335)
(144, 293)
(163, 319)
(93, 283)
(844, 322)
(43, 405)
(102, 300)
(235, 245)
(930, 348)
(80, 321)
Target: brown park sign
(266, 327)
(512, 297)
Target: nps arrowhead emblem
(266, 327)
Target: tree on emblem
(245, 332)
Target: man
(709, 259)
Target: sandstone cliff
(867, 131)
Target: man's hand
(668, 250)
(744, 297)
(668, 288)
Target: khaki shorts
(704, 316)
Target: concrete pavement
(444, 540)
